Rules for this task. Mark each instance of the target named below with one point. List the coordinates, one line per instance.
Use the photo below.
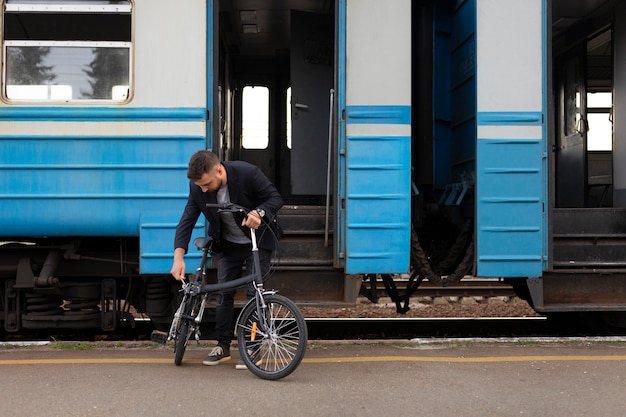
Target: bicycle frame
(206, 289)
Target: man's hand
(252, 220)
(178, 269)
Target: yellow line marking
(442, 359)
(485, 359)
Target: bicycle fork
(198, 318)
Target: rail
(402, 289)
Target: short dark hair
(201, 162)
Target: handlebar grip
(219, 206)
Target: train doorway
(276, 70)
(276, 74)
(588, 213)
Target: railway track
(471, 287)
(468, 287)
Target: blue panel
(510, 207)
(90, 186)
(156, 245)
(102, 114)
(379, 114)
(510, 118)
(378, 204)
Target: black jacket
(247, 187)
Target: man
(237, 182)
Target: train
(429, 139)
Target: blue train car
(96, 127)
(485, 132)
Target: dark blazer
(247, 187)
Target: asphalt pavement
(573, 377)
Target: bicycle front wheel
(272, 346)
(181, 342)
(189, 311)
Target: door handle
(298, 106)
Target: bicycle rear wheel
(272, 347)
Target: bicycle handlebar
(227, 207)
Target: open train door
(312, 59)
(374, 135)
(511, 100)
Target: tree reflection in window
(25, 66)
(108, 69)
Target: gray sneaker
(218, 355)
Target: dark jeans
(230, 262)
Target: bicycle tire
(181, 342)
(275, 352)
(177, 317)
(190, 310)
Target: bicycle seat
(203, 242)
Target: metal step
(304, 240)
(303, 267)
(585, 238)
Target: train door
(374, 149)
(571, 146)
(311, 64)
(511, 137)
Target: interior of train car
(274, 95)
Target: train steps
(589, 238)
(303, 244)
(303, 267)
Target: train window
(67, 50)
(255, 132)
(600, 134)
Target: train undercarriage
(89, 283)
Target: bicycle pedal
(158, 337)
